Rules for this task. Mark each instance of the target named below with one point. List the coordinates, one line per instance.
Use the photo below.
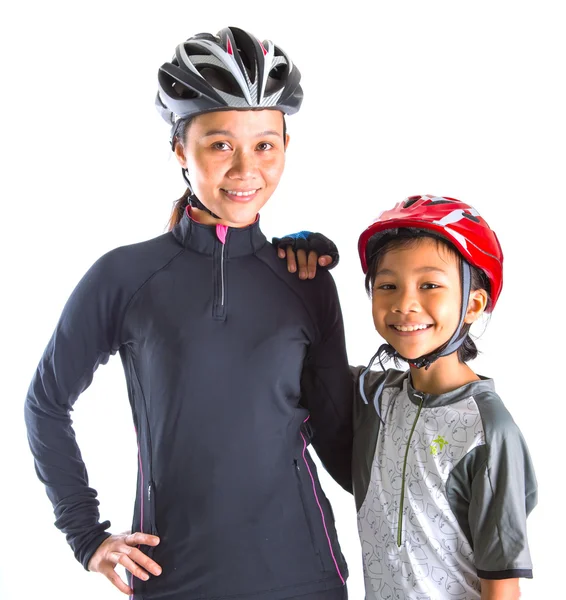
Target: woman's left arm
(500, 589)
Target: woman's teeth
(410, 327)
(236, 193)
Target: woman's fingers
(131, 566)
(123, 550)
(116, 580)
(291, 261)
(325, 260)
(147, 563)
(141, 539)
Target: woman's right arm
(87, 333)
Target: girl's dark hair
(407, 237)
(180, 205)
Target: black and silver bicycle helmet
(230, 70)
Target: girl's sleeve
(327, 389)
(492, 490)
(503, 493)
(86, 335)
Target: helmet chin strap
(387, 351)
(193, 200)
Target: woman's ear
(287, 138)
(476, 305)
(180, 154)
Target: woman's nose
(243, 166)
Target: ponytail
(180, 205)
(179, 209)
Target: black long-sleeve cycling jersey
(228, 359)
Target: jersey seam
(151, 276)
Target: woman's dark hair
(180, 205)
(407, 237)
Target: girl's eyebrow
(420, 270)
(227, 133)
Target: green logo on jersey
(437, 445)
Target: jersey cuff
(510, 574)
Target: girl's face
(416, 297)
(235, 160)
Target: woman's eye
(220, 146)
(264, 146)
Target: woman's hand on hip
(122, 549)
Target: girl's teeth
(410, 327)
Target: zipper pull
(149, 493)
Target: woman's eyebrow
(269, 132)
(219, 132)
(227, 133)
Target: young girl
(442, 477)
(215, 337)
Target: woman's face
(234, 160)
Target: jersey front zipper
(219, 276)
(400, 523)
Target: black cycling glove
(309, 241)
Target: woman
(232, 364)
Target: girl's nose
(405, 302)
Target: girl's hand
(309, 250)
(307, 265)
(121, 549)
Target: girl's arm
(500, 589)
(326, 383)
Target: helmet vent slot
(471, 217)
(220, 79)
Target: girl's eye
(385, 286)
(264, 146)
(429, 286)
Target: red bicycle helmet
(459, 223)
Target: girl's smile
(410, 329)
(416, 297)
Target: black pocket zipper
(305, 511)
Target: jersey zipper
(400, 524)
(219, 298)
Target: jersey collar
(431, 401)
(205, 238)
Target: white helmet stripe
(267, 66)
(452, 217)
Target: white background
(401, 98)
